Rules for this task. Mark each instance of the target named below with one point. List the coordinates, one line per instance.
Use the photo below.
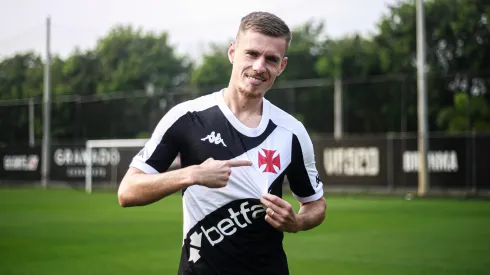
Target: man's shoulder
(197, 104)
(181, 109)
(287, 121)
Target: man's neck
(247, 110)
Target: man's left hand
(280, 214)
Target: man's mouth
(255, 78)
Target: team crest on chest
(269, 161)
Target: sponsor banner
(453, 162)
(20, 163)
(68, 163)
(356, 162)
(446, 162)
(480, 169)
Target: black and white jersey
(224, 230)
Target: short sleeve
(304, 179)
(163, 146)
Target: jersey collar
(237, 124)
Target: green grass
(69, 232)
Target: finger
(220, 184)
(274, 215)
(272, 222)
(228, 172)
(277, 201)
(277, 209)
(208, 160)
(238, 162)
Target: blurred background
(112, 69)
(115, 69)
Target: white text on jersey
(225, 227)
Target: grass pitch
(69, 232)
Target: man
(235, 149)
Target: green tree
(356, 61)
(215, 70)
(131, 58)
(304, 51)
(378, 72)
(128, 60)
(381, 69)
(457, 34)
(78, 75)
(21, 77)
(308, 103)
(469, 113)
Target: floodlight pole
(46, 146)
(423, 184)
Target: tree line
(378, 74)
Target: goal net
(107, 160)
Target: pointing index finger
(238, 162)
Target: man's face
(257, 60)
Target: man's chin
(253, 92)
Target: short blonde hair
(267, 24)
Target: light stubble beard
(250, 95)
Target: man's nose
(259, 65)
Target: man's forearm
(138, 189)
(311, 214)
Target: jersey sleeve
(304, 179)
(164, 144)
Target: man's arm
(148, 179)
(138, 188)
(311, 214)
(280, 214)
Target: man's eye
(272, 59)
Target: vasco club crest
(271, 162)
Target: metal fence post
(389, 161)
(338, 127)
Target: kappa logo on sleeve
(318, 180)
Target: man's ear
(231, 52)
(283, 65)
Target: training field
(69, 232)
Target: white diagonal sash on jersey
(244, 182)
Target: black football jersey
(224, 230)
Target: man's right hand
(216, 173)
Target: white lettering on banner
(75, 172)
(437, 161)
(78, 157)
(355, 161)
(226, 227)
(20, 162)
